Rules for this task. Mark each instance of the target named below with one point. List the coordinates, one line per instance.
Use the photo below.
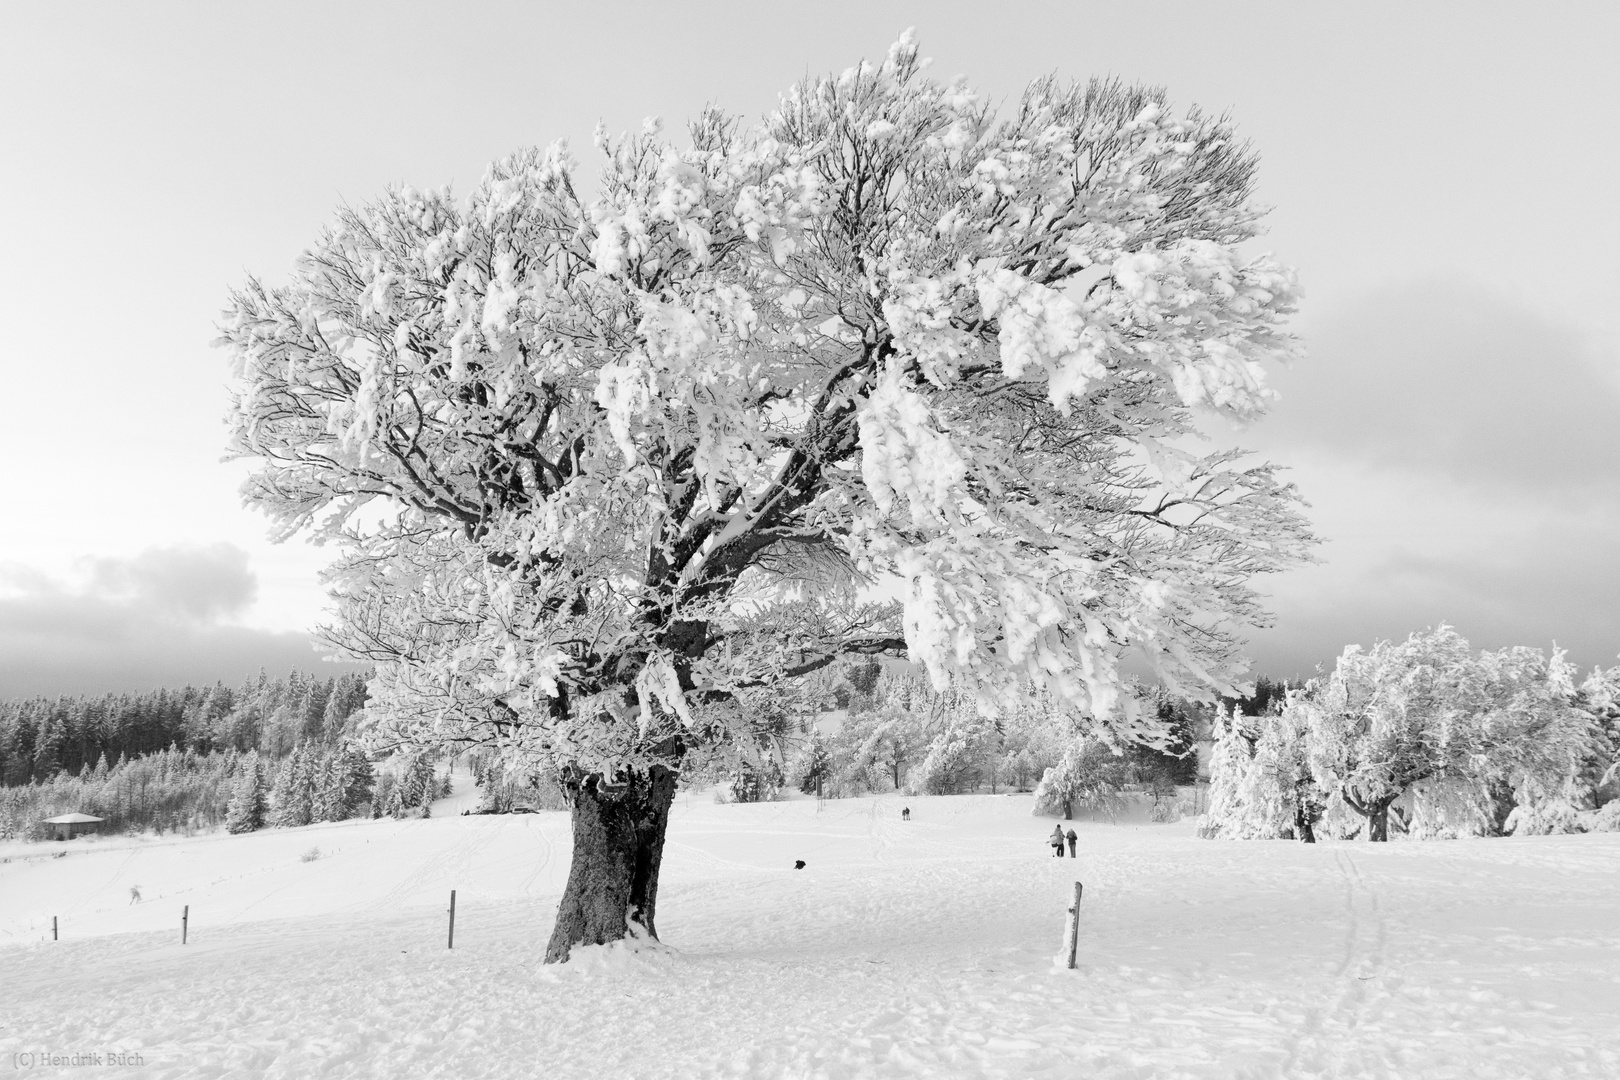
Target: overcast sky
(1443, 177)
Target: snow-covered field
(921, 948)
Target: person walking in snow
(134, 894)
(1057, 841)
(1071, 838)
(905, 813)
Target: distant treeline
(170, 791)
(41, 738)
(183, 791)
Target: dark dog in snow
(798, 864)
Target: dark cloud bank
(134, 624)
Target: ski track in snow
(916, 949)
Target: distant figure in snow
(1072, 838)
(1056, 840)
(134, 894)
(905, 813)
(798, 864)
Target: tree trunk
(1378, 821)
(1307, 812)
(618, 847)
(1376, 811)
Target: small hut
(68, 826)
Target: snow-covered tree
(1536, 738)
(328, 802)
(583, 455)
(1429, 716)
(954, 759)
(812, 767)
(385, 797)
(1389, 717)
(357, 776)
(248, 806)
(1090, 775)
(418, 785)
(293, 796)
(1230, 761)
(882, 743)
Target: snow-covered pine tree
(248, 806)
(394, 802)
(1230, 760)
(329, 803)
(293, 800)
(385, 796)
(358, 777)
(281, 790)
(882, 334)
(1264, 805)
(417, 783)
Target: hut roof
(71, 819)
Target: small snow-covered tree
(953, 761)
(812, 767)
(385, 796)
(357, 776)
(1090, 775)
(418, 784)
(327, 803)
(248, 807)
(1261, 784)
(293, 797)
(1230, 760)
(583, 456)
(1601, 695)
(1537, 738)
(884, 742)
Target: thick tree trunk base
(612, 890)
(1378, 824)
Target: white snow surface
(903, 949)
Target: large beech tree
(601, 468)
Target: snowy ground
(903, 949)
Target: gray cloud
(200, 584)
(1458, 383)
(1560, 588)
(139, 623)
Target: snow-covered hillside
(921, 948)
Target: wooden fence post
(1074, 925)
(185, 917)
(53, 928)
(451, 943)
